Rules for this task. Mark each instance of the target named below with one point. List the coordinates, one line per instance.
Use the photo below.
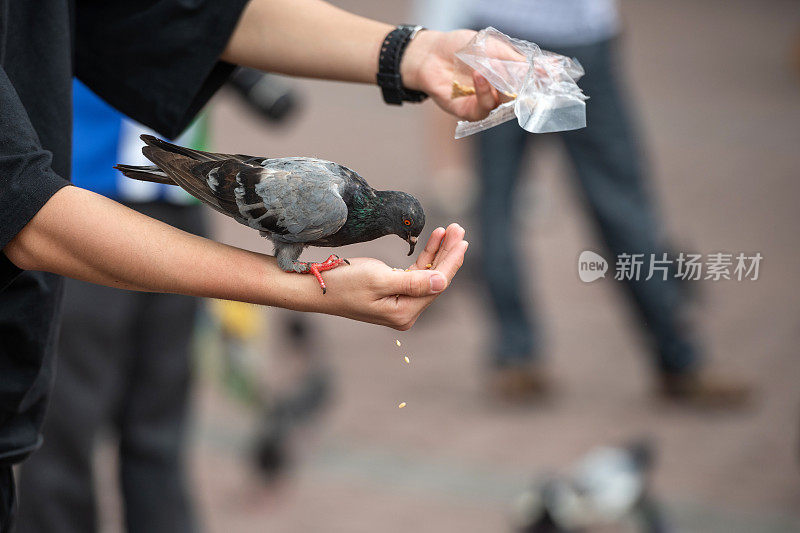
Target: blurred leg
(7, 499)
(56, 483)
(608, 168)
(500, 153)
(152, 417)
(152, 420)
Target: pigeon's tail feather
(179, 167)
(197, 155)
(146, 173)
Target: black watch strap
(389, 79)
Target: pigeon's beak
(412, 241)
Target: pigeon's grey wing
(300, 198)
(288, 198)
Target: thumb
(418, 283)
(485, 95)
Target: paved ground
(720, 106)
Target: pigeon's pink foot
(317, 268)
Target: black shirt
(154, 60)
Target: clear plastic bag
(539, 86)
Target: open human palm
(371, 291)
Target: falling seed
(402, 404)
(408, 361)
(397, 342)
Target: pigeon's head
(406, 217)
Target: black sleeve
(26, 180)
(157, 61)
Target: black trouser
(123, 363)
(29, 317)
(7, 499)
(606, 160)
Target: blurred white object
(607, 488)
(603, 488)
(546, 97)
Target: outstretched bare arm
(86, 236)
(314, 39)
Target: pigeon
(295, 201)
(608, 487)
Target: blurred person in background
(607, 163)
(124, 362)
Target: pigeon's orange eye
(406, 222)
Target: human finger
(427, 255)
(486, 97)
(452, 261)
(415, 283)
(453, 235)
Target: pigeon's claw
(317, 268)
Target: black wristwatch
(389, 79)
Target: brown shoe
(520, 384)
(705, 389)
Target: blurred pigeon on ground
(608, 487)
(295, 201)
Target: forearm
(314, 39)
(307, 38)
(85, 236)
